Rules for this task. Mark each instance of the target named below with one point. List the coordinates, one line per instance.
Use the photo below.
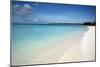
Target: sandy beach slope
(85, 51)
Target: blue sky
(36, 12)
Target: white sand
(84, 51)
(88, 45)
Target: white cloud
(22, 13)
(27, 6)
(22, 9)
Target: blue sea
(27, 39)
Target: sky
(39, 12)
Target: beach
(84, 51)
(56, 47)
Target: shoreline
(84, 51)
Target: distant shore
(64, 24)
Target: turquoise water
(26, 38)
(36, 33)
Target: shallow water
(26, 39)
